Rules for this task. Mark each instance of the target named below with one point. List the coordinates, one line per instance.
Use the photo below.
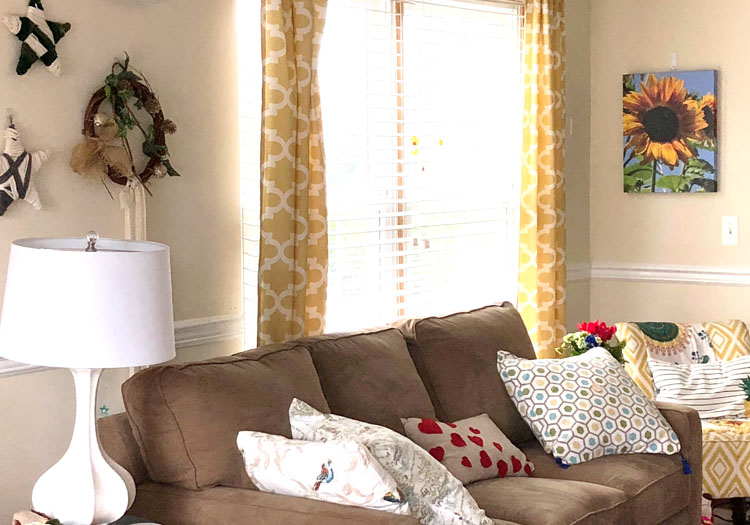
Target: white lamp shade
(65, 307)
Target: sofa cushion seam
(645, 487)
(467, 312)
(139, 440)
(233, 359)
(579, 520)
(354, 335)
(179, 429)
(220, 500)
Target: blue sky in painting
(699, 82)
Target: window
(421, 106)
(250, 72)
(422, 130)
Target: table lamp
(87, 304)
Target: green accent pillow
(585, 407)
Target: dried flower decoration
(152, 105)
(106, 151)
(169, 127)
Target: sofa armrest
(687, 426)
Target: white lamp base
(86, 487)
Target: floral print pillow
(434, 495)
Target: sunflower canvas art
(669, 132)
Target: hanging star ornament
(38, 38)
(16, 168)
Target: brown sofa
(178, 437)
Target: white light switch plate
(729, 230)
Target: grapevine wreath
(106, 150)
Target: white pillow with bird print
(341, 472)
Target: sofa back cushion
(185, 418)
(370, 377)
(456, 356)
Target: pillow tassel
(561, 463)
(686, 466)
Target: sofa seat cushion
(185, 418)
(456, 356)
(654, 483)
(541, 501)
(170, 504)
(369, 376)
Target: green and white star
(38, 36)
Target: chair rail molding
(664, 273)
(189, 332)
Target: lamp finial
(91, 238)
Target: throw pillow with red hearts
(471, 449)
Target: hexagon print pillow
(585, 407)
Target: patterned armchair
(726, 447)
(680, 343)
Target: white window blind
(421, 105)
(422, 130)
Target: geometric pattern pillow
(472, 449)
(434, 495)
(730, 339)
(584, 407)
(342, 472)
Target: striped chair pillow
(713, 389)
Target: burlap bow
(94, 157)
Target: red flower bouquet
(591, 335)
(599, 328)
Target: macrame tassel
(686, 466)
(561, 463)
(133, 204)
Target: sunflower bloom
(708, 105)
(661, 119)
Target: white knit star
(16, 168)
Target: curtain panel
(541, 290)
(293, 263)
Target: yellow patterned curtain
(541, 289)
(293, 266)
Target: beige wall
(631, 36)
(187, 50)
(578, 95)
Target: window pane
(421, 110)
